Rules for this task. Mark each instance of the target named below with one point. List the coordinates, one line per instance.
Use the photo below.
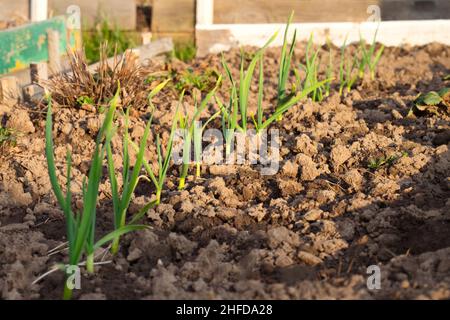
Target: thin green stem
(198, 170)
(158, 196)
(67, 295)
(115, 246)
(116, 241)
(90, 263)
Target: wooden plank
(54, 54)
(9, 90)
(175, 16)
(414, 9)
(221, 37)
(267, 11)
(38, 71)
(120, 13)
(29, 43)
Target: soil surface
(308, 232)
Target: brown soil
(310, 231)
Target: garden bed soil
(308, 232)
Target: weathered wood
(54, 54)
(277, 11)
(174, 16)
(121, 13)
(29, 43)
(414, 9)
(9, 91)
(256, 11)
(38, 71)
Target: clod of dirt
(304, 144)
(147, 245)
(427, 273)
(181, 244)
(14, 194)
(20, 120)
(281, 235)
(354, 179)
(289, 187)
(23, 258)
(331, 246)
(282, 259)
(47, 209)
(227, 213)
(222, 170)
(290, 169)
(309, 258)
(313, 215)
(346, 228)
(258, 212)
(339, 154)
(218, 187)
(308, 167)
(325, 196)
(442, 138)
(253, 190)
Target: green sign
(28, 43)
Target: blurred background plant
(184, 51)
(105, 32)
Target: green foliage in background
(184, 51)
(104, 31)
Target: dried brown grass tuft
(90, 87)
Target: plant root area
(310, 231)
